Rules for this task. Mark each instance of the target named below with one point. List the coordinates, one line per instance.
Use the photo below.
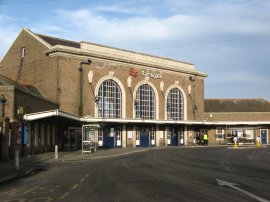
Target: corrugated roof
(236, 105)
(57, 41)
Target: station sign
(134, 72)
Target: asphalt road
(172, 174)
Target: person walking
(258, 141)
(235, 140)
(205, 139)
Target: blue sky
(227, 39)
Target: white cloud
(212, 21)
(191, 30)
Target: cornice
(60, 50)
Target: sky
(229, 40)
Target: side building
(245, 119)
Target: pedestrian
(258, 141)
(235, 140)
(205, 139)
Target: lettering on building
(151, 75)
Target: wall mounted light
(3, 102)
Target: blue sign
(25, 134)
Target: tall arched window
(109, 100)
(175, 105)
(145, 102)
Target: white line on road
(63, 196)
(233, 185)
(75, 186)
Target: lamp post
(3, 102)
(87, 62)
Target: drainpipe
(87, 62)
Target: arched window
(145, 102)
(175, 105)
(109, 100)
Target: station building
(243, 118)
(56, 91)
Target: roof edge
(37, 37)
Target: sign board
(25, 135)
(129, 134)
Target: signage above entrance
(134, 72)
(151, 75)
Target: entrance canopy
(53, 116)
(59, 117)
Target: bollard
(17, 164)
(235, 145)
(56, 152)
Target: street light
(3, 102)
(87, 62)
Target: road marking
(233, 185)
(63, 196)
(75, 186)
(82, 179)
(41, 199)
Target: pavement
(31, 164)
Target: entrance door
(112, 137)
(264, 136)
(144, 137)
(174, 137)
(147, 136)
(108, 137)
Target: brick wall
(35, 69)
(69, 80)
(69, 84)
